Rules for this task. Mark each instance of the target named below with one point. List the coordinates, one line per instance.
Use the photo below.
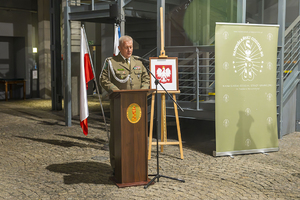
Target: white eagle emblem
(163, 74)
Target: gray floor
(41, 158)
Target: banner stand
(231, 153)
(245, 88)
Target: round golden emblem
(134, 113)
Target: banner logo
(226, 98)
(134, 113)
(270, 36)
(269, 120)
(225, 35)
(269, 65)
(226, 122)
(248, 111)
(163, 73)
(248, 142)
(225, 65)
(269, 97)
(248, 61)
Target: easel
(164, 124)
(163, 108)
(164, 133)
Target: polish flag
(116, 39)
(86, 74)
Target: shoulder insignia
(109, 58)
(136, 57)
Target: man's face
(126, 48)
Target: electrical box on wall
(34, 74)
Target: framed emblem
(166, 71)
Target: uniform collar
(125, 58)
(121, 59)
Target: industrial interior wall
(18, 36)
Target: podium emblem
(134, 113)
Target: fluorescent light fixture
(34, 50)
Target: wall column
(44, 54)
(241, 11)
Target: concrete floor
(41, 158)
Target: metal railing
(196, 72)
(88, 2)
(292, 47)
(291, 58)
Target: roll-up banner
(245, 88)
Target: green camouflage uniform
(139, 80)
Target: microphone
(141, 59)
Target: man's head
(126, 46)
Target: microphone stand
(157, 175)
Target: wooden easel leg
(151, 127)
(178, 127)
(10, 91)
(165, 120)
(24, 90)
(163, 131)
(6, 95)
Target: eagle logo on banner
(163, 73)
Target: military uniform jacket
(138, 74)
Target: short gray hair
(124, 38)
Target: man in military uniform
(122, 72)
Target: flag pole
(96, 83)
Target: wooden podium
(130, 137)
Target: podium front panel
(131, 135)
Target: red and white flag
(86, 74)
(116, 40)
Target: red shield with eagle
(163, 73)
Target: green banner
(245, 87)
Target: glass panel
(266, 11)
(292, 7)
(262, 11)
(270, 12)
(193, 23)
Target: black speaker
(113, 10)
